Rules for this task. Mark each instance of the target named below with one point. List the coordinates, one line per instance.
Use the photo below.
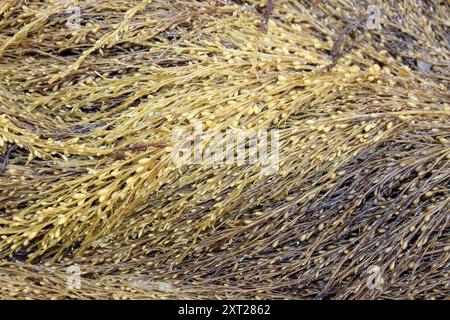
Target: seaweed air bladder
(93, 93)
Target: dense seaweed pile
(87, 117)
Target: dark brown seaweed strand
(267, 13)
(336, 51)
(6, 158)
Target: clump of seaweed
(88, 114)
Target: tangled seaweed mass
(89, 105)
